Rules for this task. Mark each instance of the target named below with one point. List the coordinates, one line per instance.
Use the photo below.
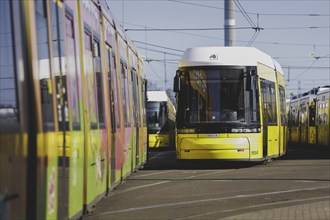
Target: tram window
(115, 89)
(144, 100)
(269, 101)
(136, 109)
(128, 96)
(8, 87)
(111, 88)
(212, 95)
(92, 98)
(72, 74)
(44, 66)
(98, 73)
(59, 71)
(282, 105)
(138, 99)
(125, 100)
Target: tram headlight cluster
(245, 130)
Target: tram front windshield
(219, 96)
(156, 114)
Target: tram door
(136, 115)
(271, 136)
(112, 117)
(264, 119)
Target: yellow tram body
(245, 82)
(72, 108)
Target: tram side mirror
(177, 83)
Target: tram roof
(324, 90)
(227, 56)
(157, 96)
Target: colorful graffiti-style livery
(72, 107)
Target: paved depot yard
(297, 186)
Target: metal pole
(229, 23)
(165, 72)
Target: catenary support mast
(229, 23)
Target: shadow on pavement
(295, 152)
(166, 160)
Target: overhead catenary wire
(221, 28)
(253, 13)
(154, 45)
(185, 29)
(246, 15)
(310, 66)
(159, 51)
(154, 71)
(242, 41)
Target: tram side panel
(282, 114)
(15, 106)
(28, 113)
(71, 124)
(45, 187)
(294, 122)
(307, 120)
(115, 101)
(144, 118)
(117, 134)
(141, 116)
(140, 137)
(126, 129)
(134, 106)
(109, 50)
(95, 154)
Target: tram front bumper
(213, 148)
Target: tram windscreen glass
(214, 95)
(156, 115)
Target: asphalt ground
(296, 186)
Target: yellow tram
(161, 120)
(72, 107)
(230, 105)
(323, 117)
(309, 118)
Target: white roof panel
(157, 96)
(226, 56)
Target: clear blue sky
(292, 30)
